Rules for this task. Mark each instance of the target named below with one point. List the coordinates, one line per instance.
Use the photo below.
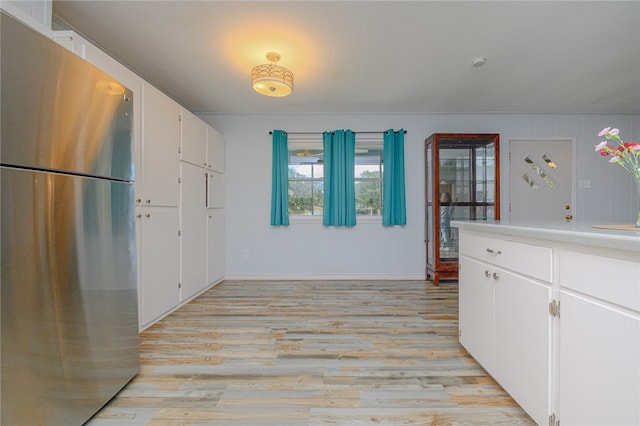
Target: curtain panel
(280, 180)
(339, 207)
(394, 211)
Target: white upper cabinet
(159, 153)
(34, 13)
(215, 150)
(193, 139)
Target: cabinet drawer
(606, 278)
(527, 259)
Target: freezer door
(69, 321)
(58, 111)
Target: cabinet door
(599, 364)
(158, 261)
(215, 245)
(476, 306)
(215, 150)
(215, 190)
(193, 225)
(193, 139)
(523, 342)
(160, 139)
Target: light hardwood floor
(311, 353)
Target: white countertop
(572, 232)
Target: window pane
(369, 197)
(305, 197)
(368, 174)
(367, 171)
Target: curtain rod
(319, 133)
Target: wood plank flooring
(286, 353)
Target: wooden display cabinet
(462, 182)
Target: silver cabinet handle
(139, 216)
(492, 251)
(496, 276)
(138, 200)
(487, 274)
(148, 201)
(147, 215)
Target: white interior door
(541, 180)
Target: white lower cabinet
(476, 309)
(599, 367)
(599, 364)
(193, 225)
(215, 245)
(523, 341)
(556, 323)
(505, 324)
(158, 248)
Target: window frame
(313, 142)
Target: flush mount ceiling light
(272, 79)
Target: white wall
(309, 250)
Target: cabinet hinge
(553, 421)
(179, 285)
(554, 308)
(179, 180)
(179, 233)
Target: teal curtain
(339, 181)
(279, 180)
(394, 210)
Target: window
(306, 175)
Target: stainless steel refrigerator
(69, 318)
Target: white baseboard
(327, 277)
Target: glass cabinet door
(461, 184)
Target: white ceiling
(378, 56)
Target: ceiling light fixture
(272, 79)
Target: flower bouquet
(625, 154)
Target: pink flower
(624, 154)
